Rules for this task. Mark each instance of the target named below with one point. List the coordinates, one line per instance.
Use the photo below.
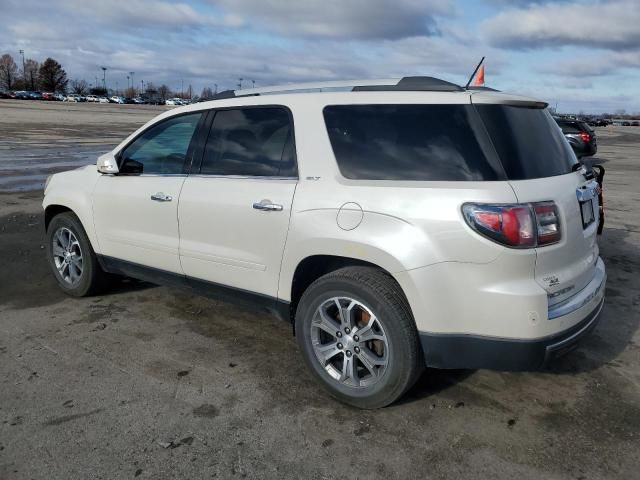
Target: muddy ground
(150, 382)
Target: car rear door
(235, 208)
(136, 211)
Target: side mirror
(107, 164)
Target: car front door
(136, 211)
(234, 211)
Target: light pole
(181, 88)
(104, 78)
(133, 87)
(253, 84)
(127, 82)
(141, 87)
(24, 72)
(240, 83)
(215, 91)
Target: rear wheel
(71, 257)
(358, 337)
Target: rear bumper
(474, 352)
(581, 312)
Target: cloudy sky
(581, 54)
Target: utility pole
(240, 83)
(253, 84)
(142, 87)
(181, 88)
(24, 72)
(127, 82)
(215, 91)
(133, 85)
(104, 77)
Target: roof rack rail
(405, 84)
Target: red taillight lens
(520, 226)
(585, 137)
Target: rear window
(411, 142)
(528, 141)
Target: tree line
(49, 76)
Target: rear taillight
(521, 225)
(585, 137)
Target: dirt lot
(153, 383)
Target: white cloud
(613, 24)
(352, 19)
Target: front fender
(74, 190)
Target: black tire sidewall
(89, 264)
(400, 366)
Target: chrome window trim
(243, 177)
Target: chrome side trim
(584, 296)
(242, 177)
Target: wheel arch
(312, 267)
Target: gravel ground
(150, 382)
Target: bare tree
(8, 72)
(164, 92)
(30, 74)
(79, 87)
(207, 93)
(52, 76)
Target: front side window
(255, 142)
(162, 149)
(410, 142)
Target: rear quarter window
(411, 142)
(527, 141)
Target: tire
(92, 278)
(374, 306)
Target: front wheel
(71, 257)
(357, 335)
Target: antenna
(466, 87)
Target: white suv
(398, 224)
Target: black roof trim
(231, 94)
(485, 89)
(414, 84)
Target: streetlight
(127, 82)
(215, 92)
(132, 84)
(253, 84)
(240, 83)
(142, 87)
(104, 78)
(24, 71)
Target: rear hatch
(539, 164)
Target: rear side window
(528, 141)
(410, 142)
(254, 141)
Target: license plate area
(586, 211)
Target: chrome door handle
(267, 206)
(161, 197)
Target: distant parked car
(4, 94)
(635, 123)
(103, 100)
(116, 99)
(92, 98)
(626, 124)
(581, 138)
(49, 96)
(174, 101)
(139, 101)
(21, 95)
(72, 97)
(59, 97)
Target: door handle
(267, 206)
(161, 197)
